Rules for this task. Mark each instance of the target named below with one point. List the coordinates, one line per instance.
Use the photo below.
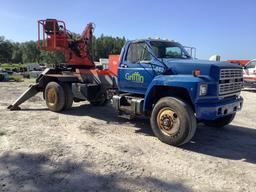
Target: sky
(223, 27)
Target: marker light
(196, 72)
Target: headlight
(203, 89)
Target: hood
(209, 68)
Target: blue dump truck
(157, 79)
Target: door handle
(124, 65)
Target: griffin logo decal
(136, 77)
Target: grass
(7, 66)
(16, 77)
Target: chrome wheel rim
(168, 121)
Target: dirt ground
(91, 149)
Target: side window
(173, 52)
(156, 51)
(145, 56)
(131, 54)
(137, 52)
(251, 65)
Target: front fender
(187, 82)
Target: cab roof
(150, 39)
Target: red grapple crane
(53, 36)
(79, 79)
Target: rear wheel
(173, 121)
(68, 96)
(220, 122)
(54, 96)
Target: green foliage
(16, 53)
(28, 52)
(16, 77)
(106, 45)
(8, 66)
(5, 50)
(51, 58)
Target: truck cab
(159, 79)
(143, 60)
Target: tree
(16, 53)
(106, 45)
(5, 50)
(30, 52)
(52, 58)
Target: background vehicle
(155, 78)
(3, 76)
(249, 74)
(238, 62)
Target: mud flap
(30, 92)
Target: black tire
(68, 96)
(180, 133)
(54, 96)
(220, 122)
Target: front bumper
(211, 111)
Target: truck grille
(231, 81)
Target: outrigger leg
(30, 92)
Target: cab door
(135, 71)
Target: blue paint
(177, 73)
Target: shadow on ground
(36, 172)
(231, 142)
(109, 114)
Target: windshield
(252, 64)
(167, 49)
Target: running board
(30, 92)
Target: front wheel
(220, 122)
(173, 121)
